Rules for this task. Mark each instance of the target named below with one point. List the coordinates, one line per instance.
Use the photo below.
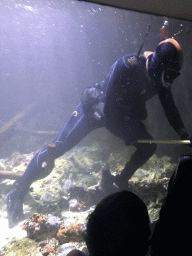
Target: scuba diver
(118, 104)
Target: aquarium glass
(50, 52)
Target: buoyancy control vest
(93, 100)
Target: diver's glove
(189, 138)
(185, 136)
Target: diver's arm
(172, 112)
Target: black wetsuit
(125, 91)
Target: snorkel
(143, 41)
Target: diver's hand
(187, 137)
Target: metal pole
(165, 141)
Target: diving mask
(168, 76)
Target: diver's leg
(78, 126)
(142, 154)
(143, 151)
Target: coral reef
(27, 246)
(70, 233)
(17, 160)
(21, 247)
(67, 196)
(43, 228)
(48, 247)
(150, 183)
(39, 227)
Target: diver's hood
(166, 57)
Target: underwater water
(50, 51)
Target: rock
(80, 168)
(150, 183)
(21, 247)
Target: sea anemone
(53, 221)
(47, 197)
(67, 185)
(73, 204)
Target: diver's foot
(14, 208)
